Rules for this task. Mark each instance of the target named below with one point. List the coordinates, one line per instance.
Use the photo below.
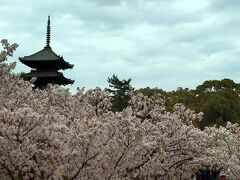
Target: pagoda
(45, 65)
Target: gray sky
(157, 43)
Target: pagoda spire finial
(48, 33)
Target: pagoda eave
(46, 64)
(50, 78)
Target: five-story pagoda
(45, 65)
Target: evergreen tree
(120, 92)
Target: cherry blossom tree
(53, 134)
(224, 148)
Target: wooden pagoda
(45, 65)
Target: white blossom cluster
(52, 134)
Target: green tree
(184, 96)
(219, 100)
(181, 95)
(120, 92)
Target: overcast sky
(157, 43)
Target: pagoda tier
(45, 59)
(52, 77)
(45, 65)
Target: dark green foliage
(151, 92)
(219, 100)
(120, 92)
(184, 96)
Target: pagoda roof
(56, 77)
(43, 74)
(45, 55)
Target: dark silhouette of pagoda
(45, 65)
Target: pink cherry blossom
(53, 134)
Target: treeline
(219, 100)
